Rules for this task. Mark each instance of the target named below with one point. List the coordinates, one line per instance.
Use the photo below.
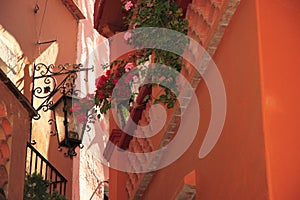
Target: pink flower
(81, 118)
(134, 25)
(90, 95)
(90, 104)
(129, 66)
(127, 35)
(135, 79)
(149, 4)
(128, 5)
(76, 105)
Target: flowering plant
(164, 14)
(81, 107)
(156, 13)
(145, 13)
(105, 84)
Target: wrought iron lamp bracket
(48, 81)
(45, 83)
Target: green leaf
(163, 98)
(170, 104)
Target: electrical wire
(42, 22)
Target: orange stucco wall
(19, 19)
(278, 23)
(52, 21)
(257, 155)
(236, 168)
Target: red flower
(115, 80)
(101, 81)
(117, 72)
(108, 72)
(109, 91)
(100, 94)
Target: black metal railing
(36, 163)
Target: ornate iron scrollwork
(45, 84)
(51, 80)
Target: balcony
(108, 23)
(37, 164)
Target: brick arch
(4, 152)
(5, 132)
(6, 126)
(3, 176)
(3, 112)
(2, 133)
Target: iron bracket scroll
(48, 80)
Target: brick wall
(208, 20)
(14, 130)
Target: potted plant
(36, 188)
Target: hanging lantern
(69, 131)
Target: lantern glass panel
(75, 129)
(66, 122)
(59, 114)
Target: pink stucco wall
(88, 169)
